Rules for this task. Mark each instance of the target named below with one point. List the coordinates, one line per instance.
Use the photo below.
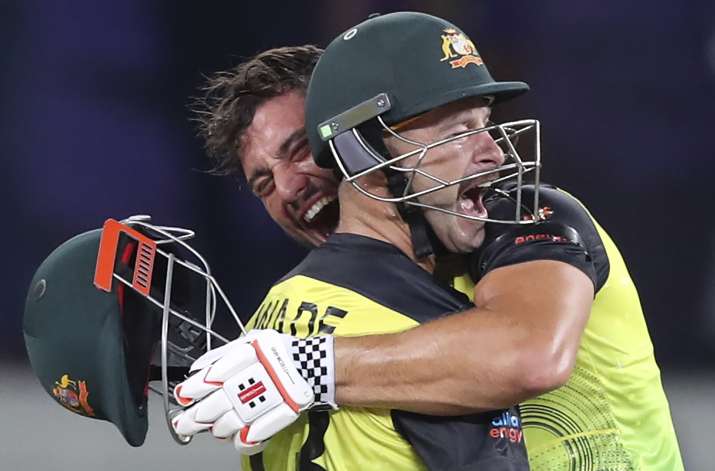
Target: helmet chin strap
(424, 241)
(356, 158)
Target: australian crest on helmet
(458, 49)
(73, 395)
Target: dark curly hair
(230, 98)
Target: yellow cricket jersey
(612, 414)
(354, 285)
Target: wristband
(314, 358)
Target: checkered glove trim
(315, 361)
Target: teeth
(317, 207)
(467, 204)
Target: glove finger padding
(185, 424)
(227, 425)
(212, 408)
(237, 355)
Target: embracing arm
(519, 343)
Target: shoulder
(379, 271)
(553, 204)
(567, 233)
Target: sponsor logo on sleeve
(508, 426)
(535, 237)
(544, 213)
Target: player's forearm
(521, 343)
(443, 368)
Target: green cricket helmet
(391, 68)
(110, 311)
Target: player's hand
(252, 388)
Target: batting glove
(254, 387)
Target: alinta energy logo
(506, 425)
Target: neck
(362, 215)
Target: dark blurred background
(94, 124)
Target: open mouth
(322, 216)
(471, 199)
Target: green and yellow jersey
(354, 285)
(612, 414)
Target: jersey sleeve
(568, 234)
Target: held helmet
(385, 71)
(111, 311)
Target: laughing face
(300, 196)
(457, 159)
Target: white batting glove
(253, 387)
